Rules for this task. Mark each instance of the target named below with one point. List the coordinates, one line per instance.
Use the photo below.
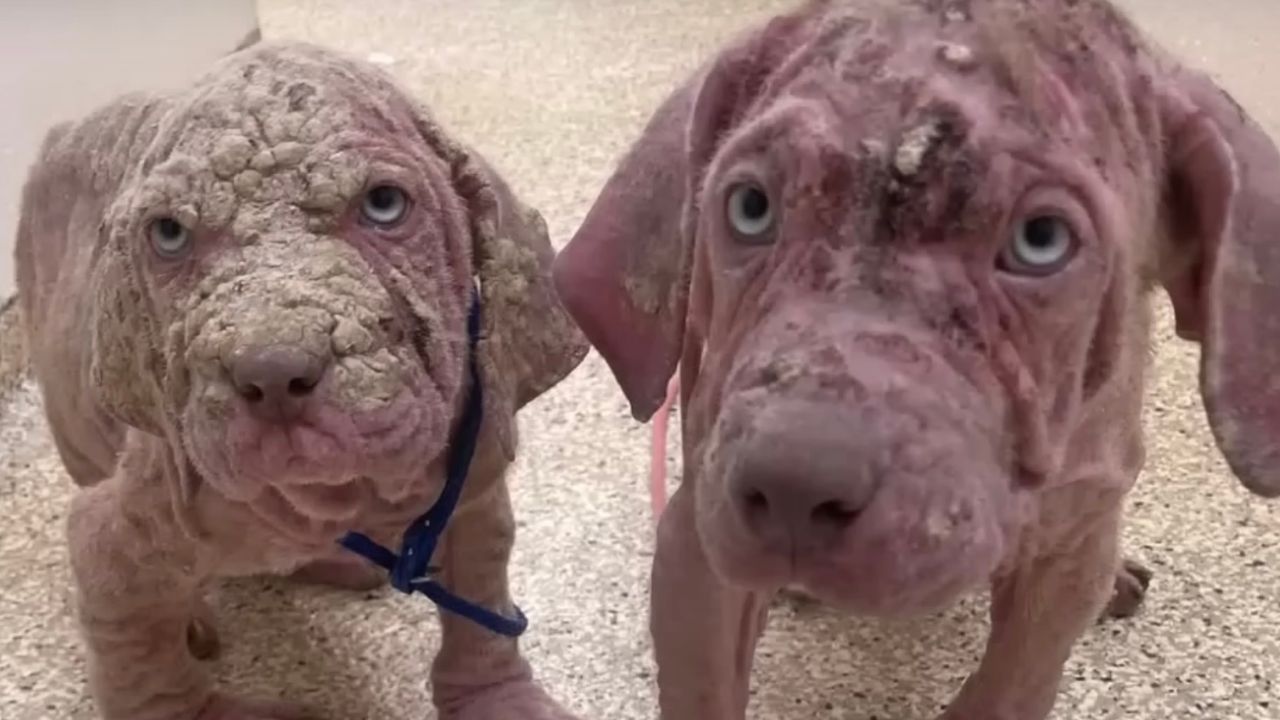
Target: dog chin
(844, 592)
(882, 598)
(314, 516)
(330, 502)
(865, 581)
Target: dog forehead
(1042, 70)
(908, 132)
(936, 124)
(283, 123)
(287, 95)
(275, 98)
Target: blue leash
(411, 571)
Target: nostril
(834, 513)
(252, 393)
(301, 387)
(753, 507)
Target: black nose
(277, 381)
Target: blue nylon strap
(411, 570)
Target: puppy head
(902, 251)
(286, 279)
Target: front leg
(137, 597)
(1037, 614)
(704, 632)
(479, 674)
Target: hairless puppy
(259, 309)
(902, 254)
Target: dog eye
(168, 237)
(1041, 245)
(385, 205)
(750, 213)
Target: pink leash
(658, 451)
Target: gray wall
(62, 58)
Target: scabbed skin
(142, 358)
(883, 406)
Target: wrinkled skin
(901, 254)
(246, 350)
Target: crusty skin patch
(290, 370)
(913, 245)
(914, 147)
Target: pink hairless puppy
(902, 254)
(275, 310)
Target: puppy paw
(1132, 581)
(973, 707)
(516, 700)
(346, 572)
(796, 598)
(229, 708)
(955, 714)
(203, 641)
(202, 638)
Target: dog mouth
(295, 456)
(912, 551)
(328, 447)
(313, 461)
(892, 594)
(872, 578)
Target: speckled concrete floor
(552, 90)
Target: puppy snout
(277, 381)
(804, 496)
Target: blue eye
(750, 213)
(169, 238)
(1041, 245)
(385, 205)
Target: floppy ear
(528, 342)
(1223, 275)
(69, 198)
(66, 201)
(624, 276)
(129, 372)
(126, 364)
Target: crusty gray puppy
(248, 309)
(902, 252)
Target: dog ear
(125, 363)
(1223, 270)
(528, 343)
(67, 198)
(624, 276)
(73, 194)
